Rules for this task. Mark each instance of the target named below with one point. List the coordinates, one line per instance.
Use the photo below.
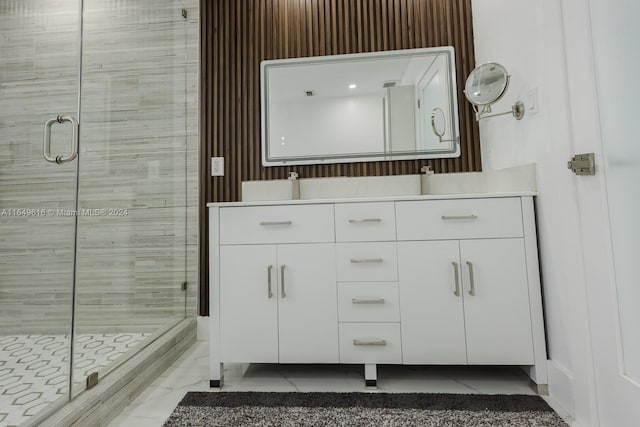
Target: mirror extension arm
(517, 110)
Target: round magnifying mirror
(486, 84)
(438, 122)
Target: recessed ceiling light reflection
(353, 86)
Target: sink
(521, 178)
(331, 188)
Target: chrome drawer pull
(363, 220)
(448, 217)
(367, 301)
(375, 342)
(275, 222)
(365, 260)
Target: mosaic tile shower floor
(33, 368)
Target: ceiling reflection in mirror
(363, 107)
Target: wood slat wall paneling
(238, 34)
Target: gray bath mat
(361, 409)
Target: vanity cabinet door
(248, 312)
(497, 317)
(307, 303)
(431, 305)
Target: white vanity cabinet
(405, 280)
(465, 302)
(277, 297)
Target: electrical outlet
(217, 166)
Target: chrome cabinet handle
(363, 220)
(367, 301)
(269, 292)
(365, 260)
(282, 293)
(370, 342)
(47, 139)
(449, 217)
(472, 286)
(456, 292)
(275, 222)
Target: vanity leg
(370, 375)
(538, 376)
(216, 378)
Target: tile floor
(34, 373)
(190, 373)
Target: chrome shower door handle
(74, 139)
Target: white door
(249, 311)
(603, 39)
(431, 312)
(307, 300)
(496, 302)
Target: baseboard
(561, 388)
(101, 404)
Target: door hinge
(583, 164)
(183, 286)
(184, 13)
(92, 380)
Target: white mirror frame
(453, 151)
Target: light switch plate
(217, 166)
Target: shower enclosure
(98, 168)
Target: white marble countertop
(377, 199)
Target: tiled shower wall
(138, 161)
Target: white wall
(527, 38)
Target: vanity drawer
(370, 343)
(276, 224)
(365, 222)
(459, 219)
(368, 302)
(367, 262)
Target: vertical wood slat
(238, 34)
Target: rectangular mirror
(393, 105)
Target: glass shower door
(93, 216)
(133, 168)
(39, 47)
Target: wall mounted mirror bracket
(485, 86)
